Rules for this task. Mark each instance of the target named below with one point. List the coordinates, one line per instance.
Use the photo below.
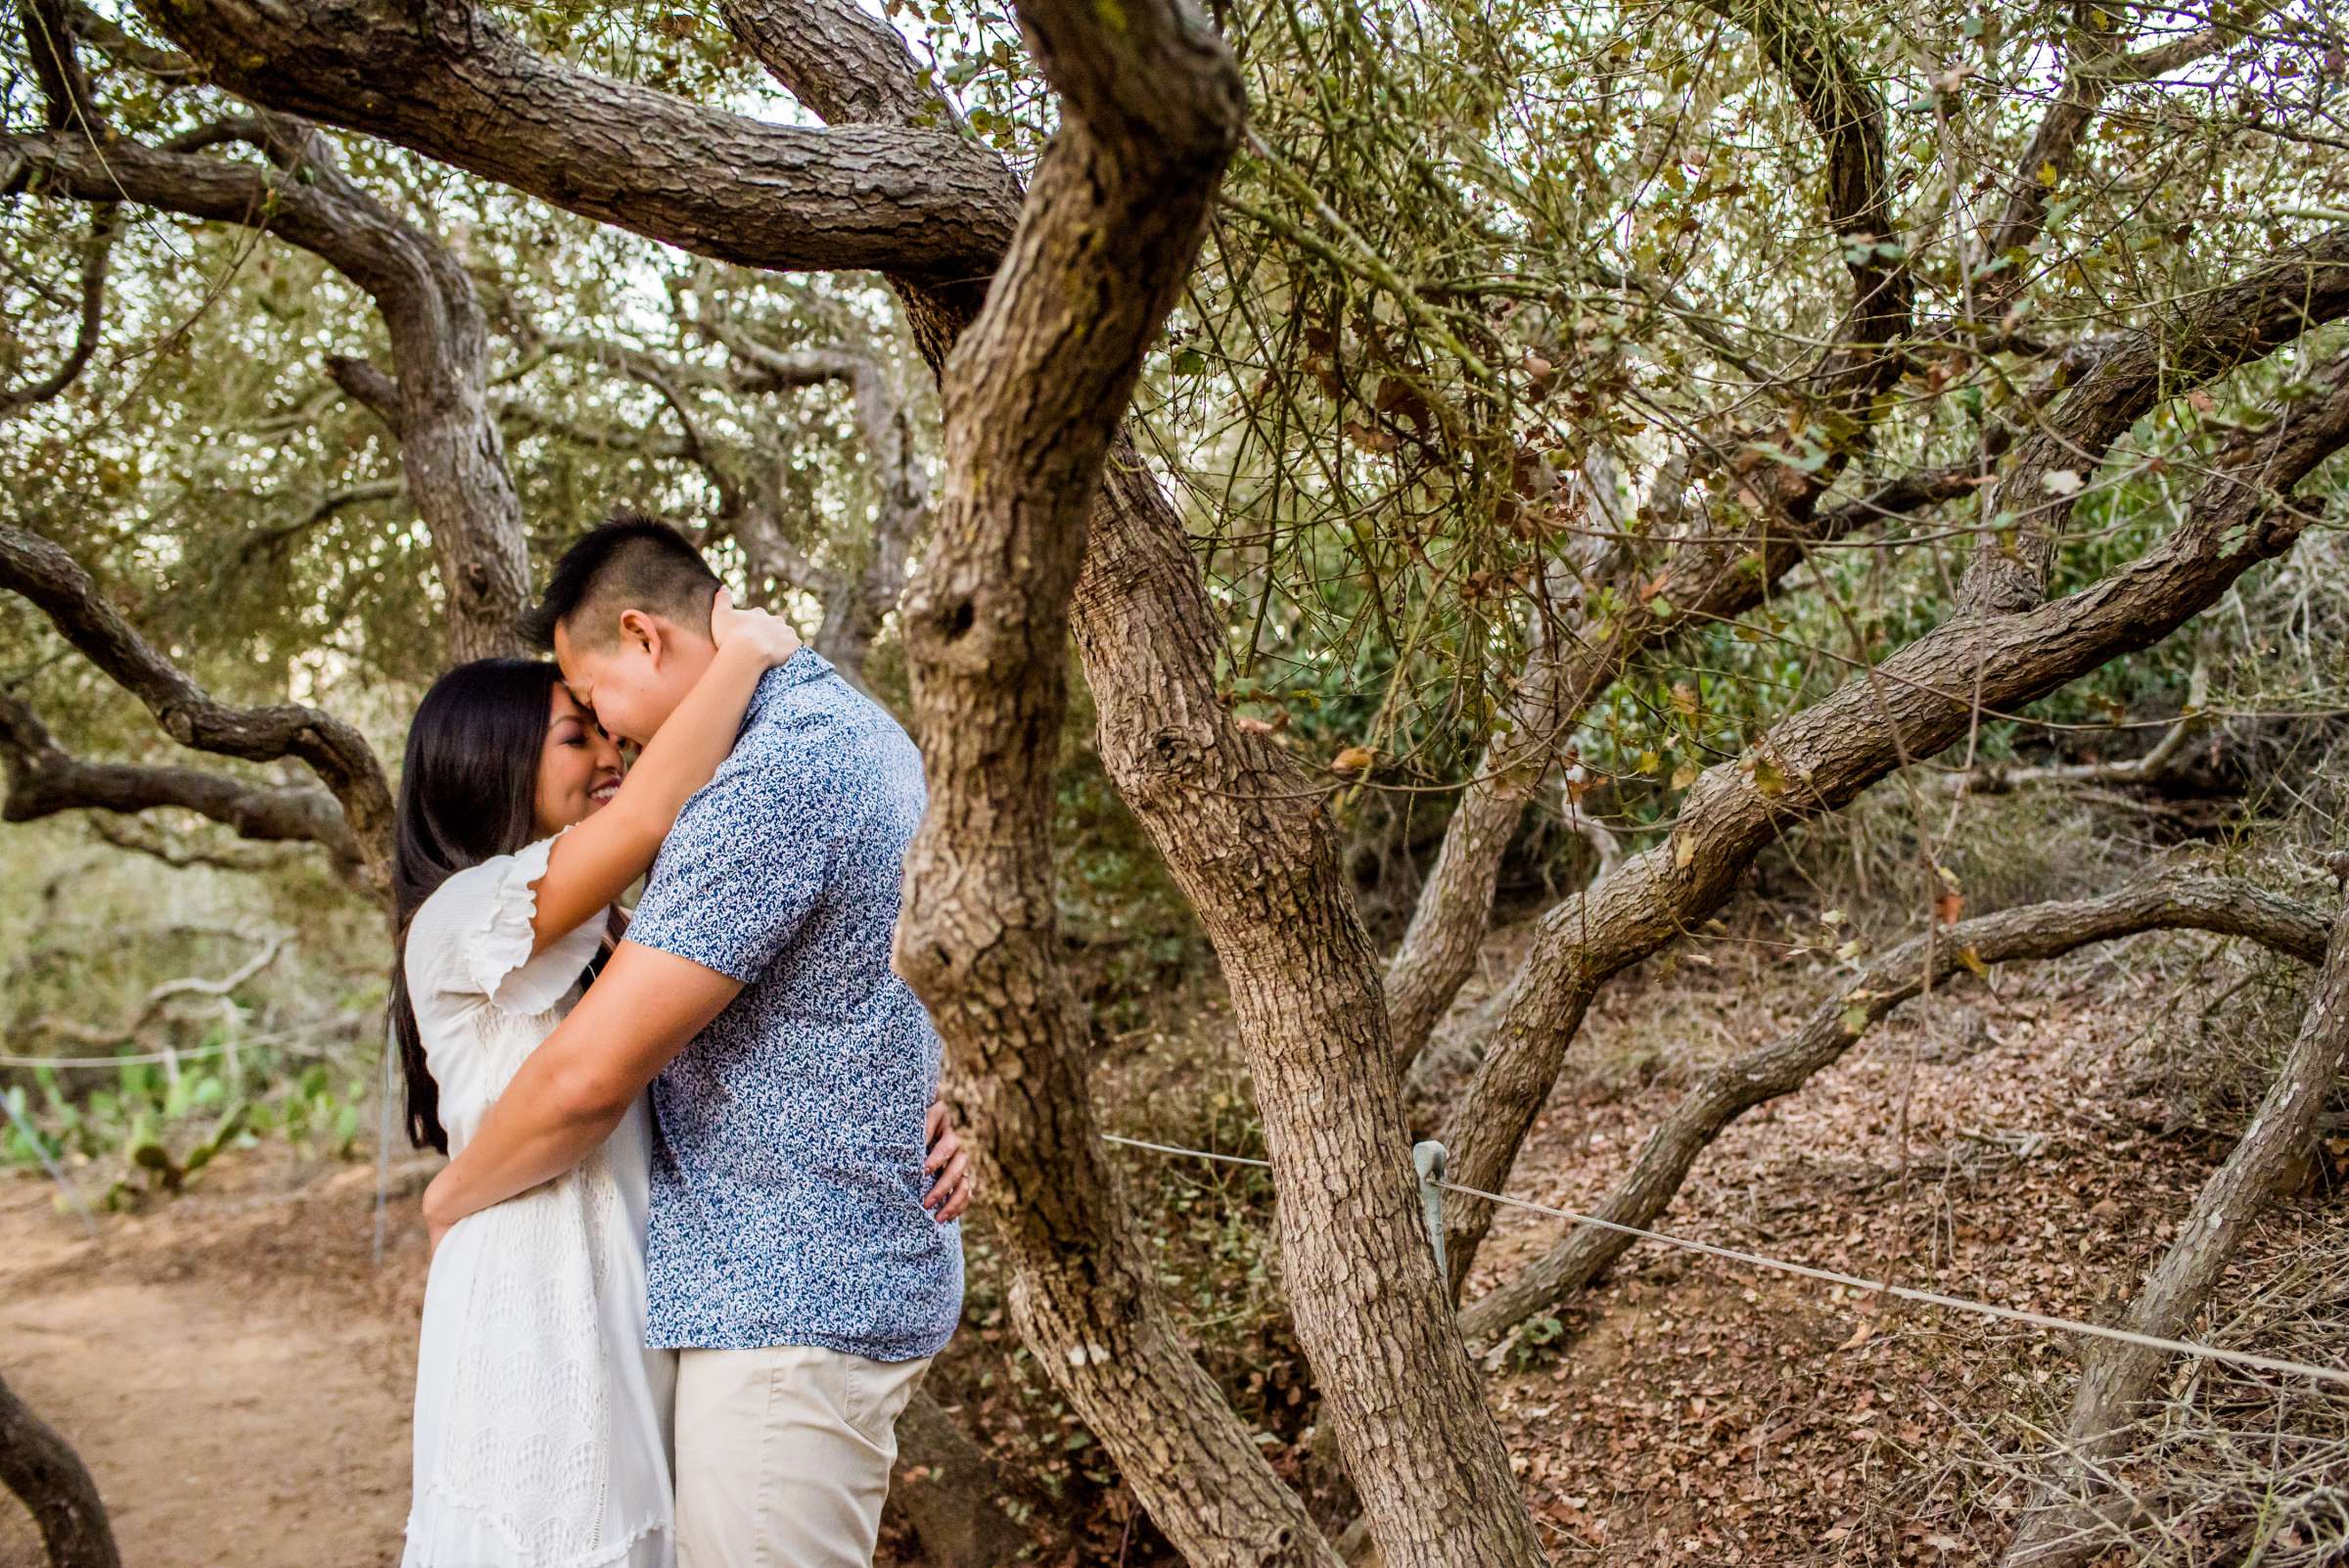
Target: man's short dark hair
(632, 562)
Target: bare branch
(853, 610)
(119, 46)
(650, 443)
(141, 837)
(158, 999)
(2039, 931)
(2056, 141)
(2118, 1377)
(1716, 569)
(1848, 112)
(45, 779)
(97, 253)
(2155, 768)
(367, 385)
(2219, 332)
(64, 87)
(1711, 574)
(337, 753)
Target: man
(789, 1255)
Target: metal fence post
(1427, 1159)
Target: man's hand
(950, 1194)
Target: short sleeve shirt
(787, 1165)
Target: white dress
(542, 1423)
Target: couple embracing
(696, 1245)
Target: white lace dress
(542, 1423)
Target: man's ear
(643, 630)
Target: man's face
(634, 681)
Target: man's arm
(573, 1090)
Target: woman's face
(578, 767)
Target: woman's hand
(950, 1193)
(768, 636)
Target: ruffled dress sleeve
(481, 919)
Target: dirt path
(235, 1368)
(240, 1393)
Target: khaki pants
(783, 1455)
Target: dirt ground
(229, 1367)
(236, 1370)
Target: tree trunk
(1150, 112)
(951, 1492)
(2117, 1377)
(1251, 843)
(1837, 1024)
(50, 1480)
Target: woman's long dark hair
(466, 794)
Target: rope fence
(281, 1039)
(1428, 1158)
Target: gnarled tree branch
(1917, 702)
(2039, 931)
(49, 1478)
(2302, 287)
(96, 253)
(2118, 1377)
(447, 82)
(44, 779)
(57, 585)
(854, 608)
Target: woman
(542, 1425)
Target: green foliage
(146, 1131)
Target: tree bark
(2192, 343)
(1150, 113)
(2117, 1377)
(97, 256)
(42, 1469)
(443, 78)
(2163, 902)
(57, 585)
(1815, 762)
